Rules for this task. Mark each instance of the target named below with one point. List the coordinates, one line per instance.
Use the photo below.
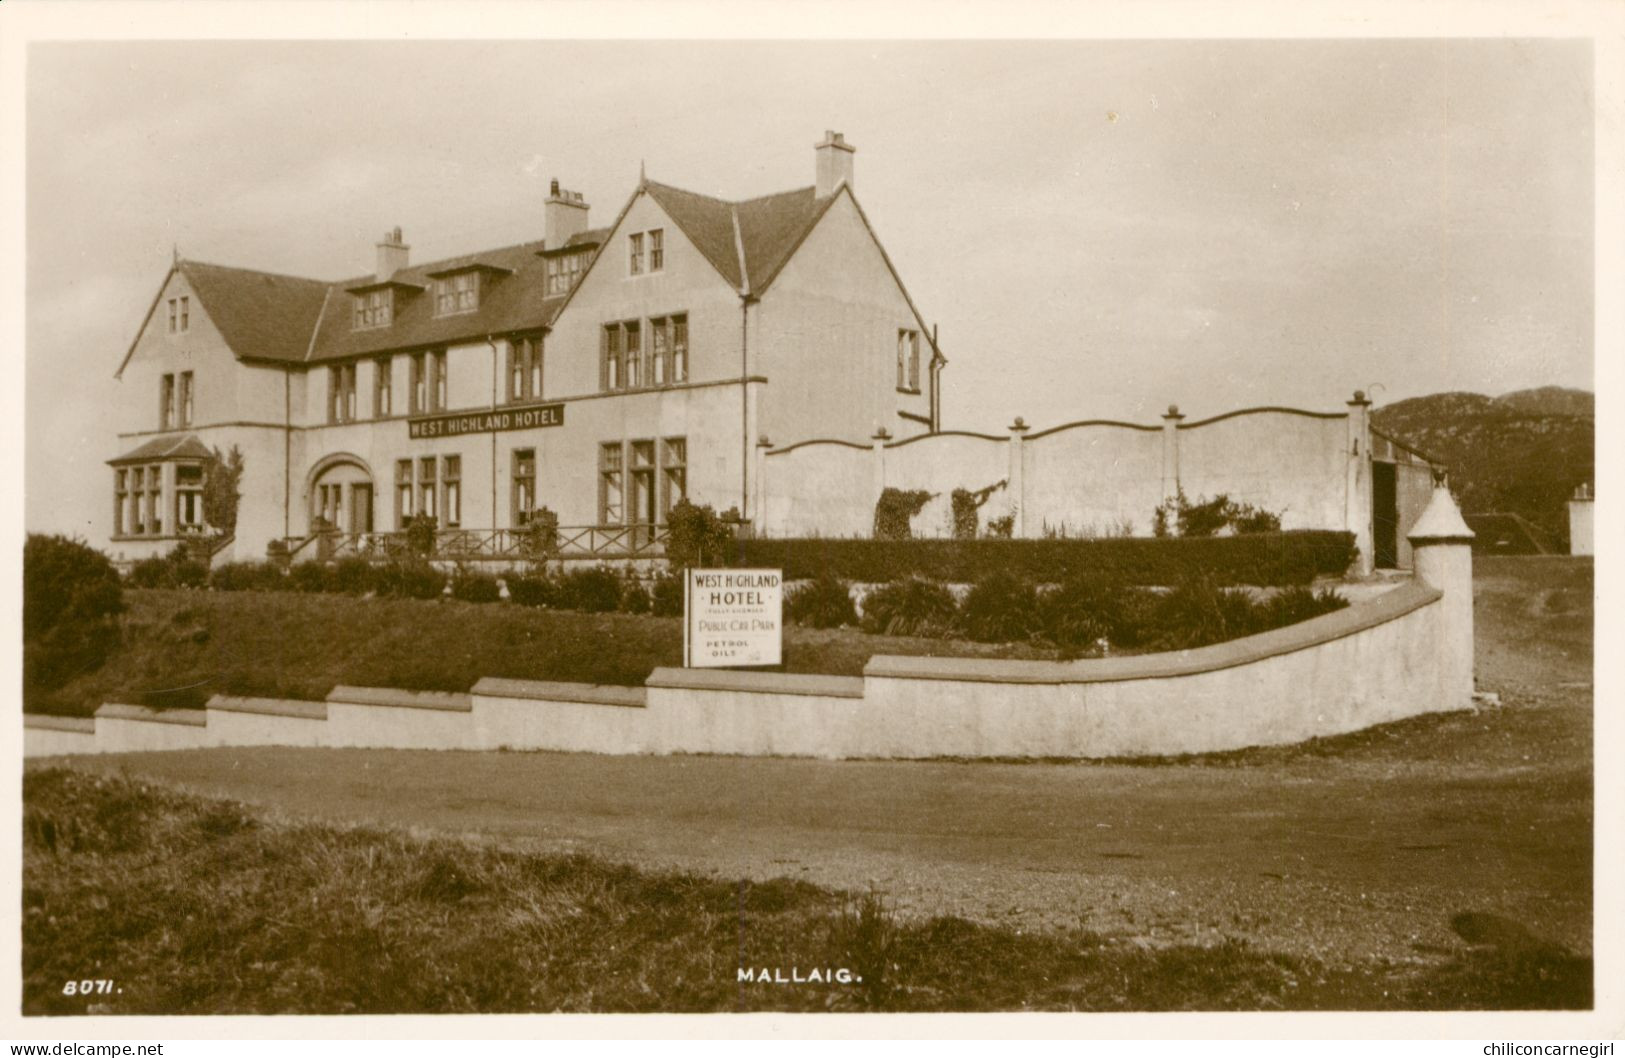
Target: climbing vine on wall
(894, 511)
(965, 505)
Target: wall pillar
(758, 512)
(1442, 552)
(1018, 478)
(1581, 504)
(878, 446)
(1357, 482)
(1170, 466)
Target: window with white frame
(563, 271)
(611, 470)
(908, 361)
(382, 388)
(646, 251)
(189, 497)
(523, 501)
(451, 476)
(166, 402)
(673, 474)
(403, 492)
(180, 315)
(341, 405)
(428, 494)
(373, 308)
(525, 369)
(456, 293)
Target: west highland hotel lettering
(603, 373)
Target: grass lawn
(181, 647)
(191, 905)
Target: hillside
(1523, 452)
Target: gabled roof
(291, 320)
(747, 242)
(186, 446)
(261, 315)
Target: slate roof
(511, 302)
(262, 316)
(765, 231)
(287, 319)
(187, 446)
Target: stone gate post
(1018, 477)
(1170, 465)
(1442, 552)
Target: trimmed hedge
(1263, 559)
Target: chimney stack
(566, 215)
(834, 163)
(391, 255)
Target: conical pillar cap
(1441, 521)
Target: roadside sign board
(733, 617)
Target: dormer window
(563, 271)
(374, 308)
(457, 293)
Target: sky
(1097, 228)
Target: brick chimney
(834, 163)
(566, 215)
(391, 255)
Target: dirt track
(1356, 849)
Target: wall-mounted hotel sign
(531, 418)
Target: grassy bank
(199, 906)
(178, 648)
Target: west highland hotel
(603, 373)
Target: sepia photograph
(547, 525)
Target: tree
(222, 490)
(72, 598)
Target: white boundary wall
(1406, 652)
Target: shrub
(410, 579)
(1003, 527)
(668, 595)
(1298, 603)
(532, 589)
(1208, 517)
(910, 607)
(595, 590)
(635, 597)
(178, 569)
(72, 598)
(353, 576)
(247, 576)
(1267, 559)
(1001, 608)
(895, 510)
(823, 602)
(1198, 612)
(697, 536)
(311, 577)
(539, 539)
(475, 587)
(420, 534)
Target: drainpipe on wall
(492, 343)
(936, 382)
(744, 407)
(287, 451)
